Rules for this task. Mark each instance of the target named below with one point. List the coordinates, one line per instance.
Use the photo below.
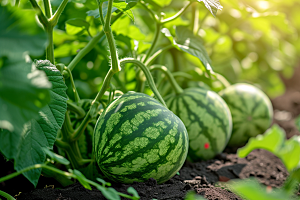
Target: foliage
(98, 50)
(288, 151)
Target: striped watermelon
(137, 138)
(251, 111)
(207, 119)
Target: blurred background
(248, 41)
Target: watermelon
(137, 138)
(251, 111)
(207, 119)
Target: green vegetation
(68, 64)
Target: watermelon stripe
(133, 147)
(207, 119)
(247, 122)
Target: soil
(201, 177)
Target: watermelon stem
(76, 109)
(175, 86)
(148, 75)
(222, 80)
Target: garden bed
(200, 177)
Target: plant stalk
(91, 44)
(147, 74)
(7, 196)
(175, 86)
(115, 65)
(55, 17)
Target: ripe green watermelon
(251, 112)
(207, 119)
(137, 138)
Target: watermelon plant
(70, 60)
(251, 112)
(149, 141)
(205, 115)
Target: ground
(200, 177)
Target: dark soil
(200, 177)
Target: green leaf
(186, 41)
(24, 90)
(68, 49)
(252, 190)
(212, 5)
(117, 5)
(132, 191)
(18, 35)
(81, 178)
(191, 195)
(40, 132)
(96, 13)
(123, 26)
(56, 157)
(162, 3)
(274, 141)
(124, 7)
(109, 193)
(76, 26)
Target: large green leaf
(123, 6)
(41, 132)
(18, 35)
(251, 189)
(212, 5)
(188, 42)
(24, 90)
(274, 141)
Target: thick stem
(50, 47)
(105, 85)
(48, 9)
(58, 12)
(42, 18)
(175, 86)
(147, 74)
(92, 43)
(115, 65)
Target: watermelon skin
(137, 138)
(207, 119)
(251, 111)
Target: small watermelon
(251, 111)
(137, 138)
(207, 119)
